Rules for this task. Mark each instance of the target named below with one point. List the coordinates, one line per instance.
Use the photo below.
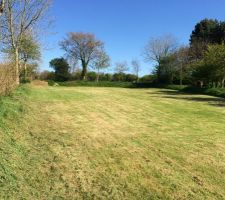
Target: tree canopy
(61, 68)
(84, 47)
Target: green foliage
(51, 83)
(47, 75)
(91, 76)
(29, 49)
(124, 77)
(105, 77)
(206, 32)
(211, 69)
(61, 68)
(166, 69)
(148, 78)
(25, 80)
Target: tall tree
(136, 68)
(20, 17)
(207, 31)
(29, 51)
(182, 56)
(167, 68)
(120, 69)
(102, 62)
(61, 68)
(160, 47)
(83, 47)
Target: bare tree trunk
(17, 67)
(25, 71)
(97, 78)
(84, 71)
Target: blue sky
(125, 26)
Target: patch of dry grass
(113, 143)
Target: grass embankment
(111, 143)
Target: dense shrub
(51, 83)
(148, 78)
(130, 78)
(105, 77)
(47, 75)
(91, 76)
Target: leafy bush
(25, 80)
(51, 83)
(47, 75)
(91, 76)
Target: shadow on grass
(170, 94)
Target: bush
(25, 80)
(91, 76)
(148, 78)
(47, 75)
(51, 83)
(130, 78)
(105, 77)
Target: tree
(121, 67)
(102, 62)
(20, 17)
(166, 70)
(136, 68)
(182, 56)
(83, 47)
(206, 32)
(29, 51)
(160, 47)
(211, 69)
(214, 63)
(61, 68)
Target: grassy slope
(111, 143)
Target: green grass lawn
(111, 143)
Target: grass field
(111, 143)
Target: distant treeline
(92, 76)
(201, 63)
